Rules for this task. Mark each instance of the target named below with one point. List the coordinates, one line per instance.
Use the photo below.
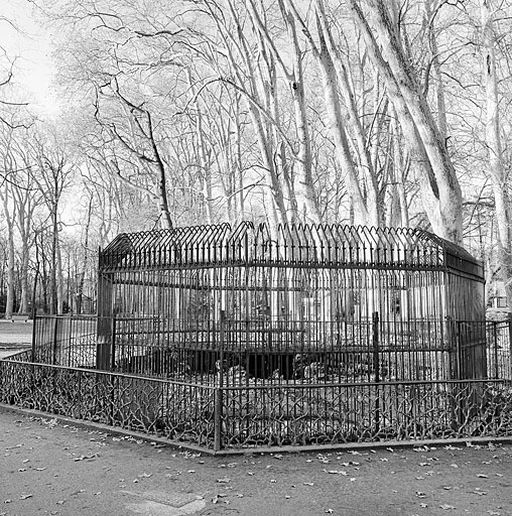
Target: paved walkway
(14, 336)
(49, 468)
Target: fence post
(219, 389)
(34, 333)
(217, 419)
(510, 347)
(458, 351)
(113, 355)
(376, 366)
(55, 333)
(70, 342)
(495, 352)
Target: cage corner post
(105, 323)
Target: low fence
(223, 418)
(293, 396)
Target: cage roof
(287, 245)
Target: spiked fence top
(301, 245)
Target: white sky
(31, 46)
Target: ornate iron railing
(256, 415)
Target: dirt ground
(50, 468)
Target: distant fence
(364, 352)
(499, 349)
(65, 340)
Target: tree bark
(443, 202)
(497, 171)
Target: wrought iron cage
(295, 303)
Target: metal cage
(296, 303)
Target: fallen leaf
(85, 457)
(217, 497)
(335, 472)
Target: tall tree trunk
(437, 73)
(443, 203)
(53, 269)
(342, 146)
(497, 172)
(334, 76)
(25, 288)
(85, 260)
(305, 189)
(9, 305)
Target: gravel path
(49, 468)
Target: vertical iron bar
(495, 335)
(376, 364)
(458, 354)
(509, 375)
(34, 333)
(70, 354)
(217, 415)
(55, 330)
(113, 355)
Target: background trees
(330, 111)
